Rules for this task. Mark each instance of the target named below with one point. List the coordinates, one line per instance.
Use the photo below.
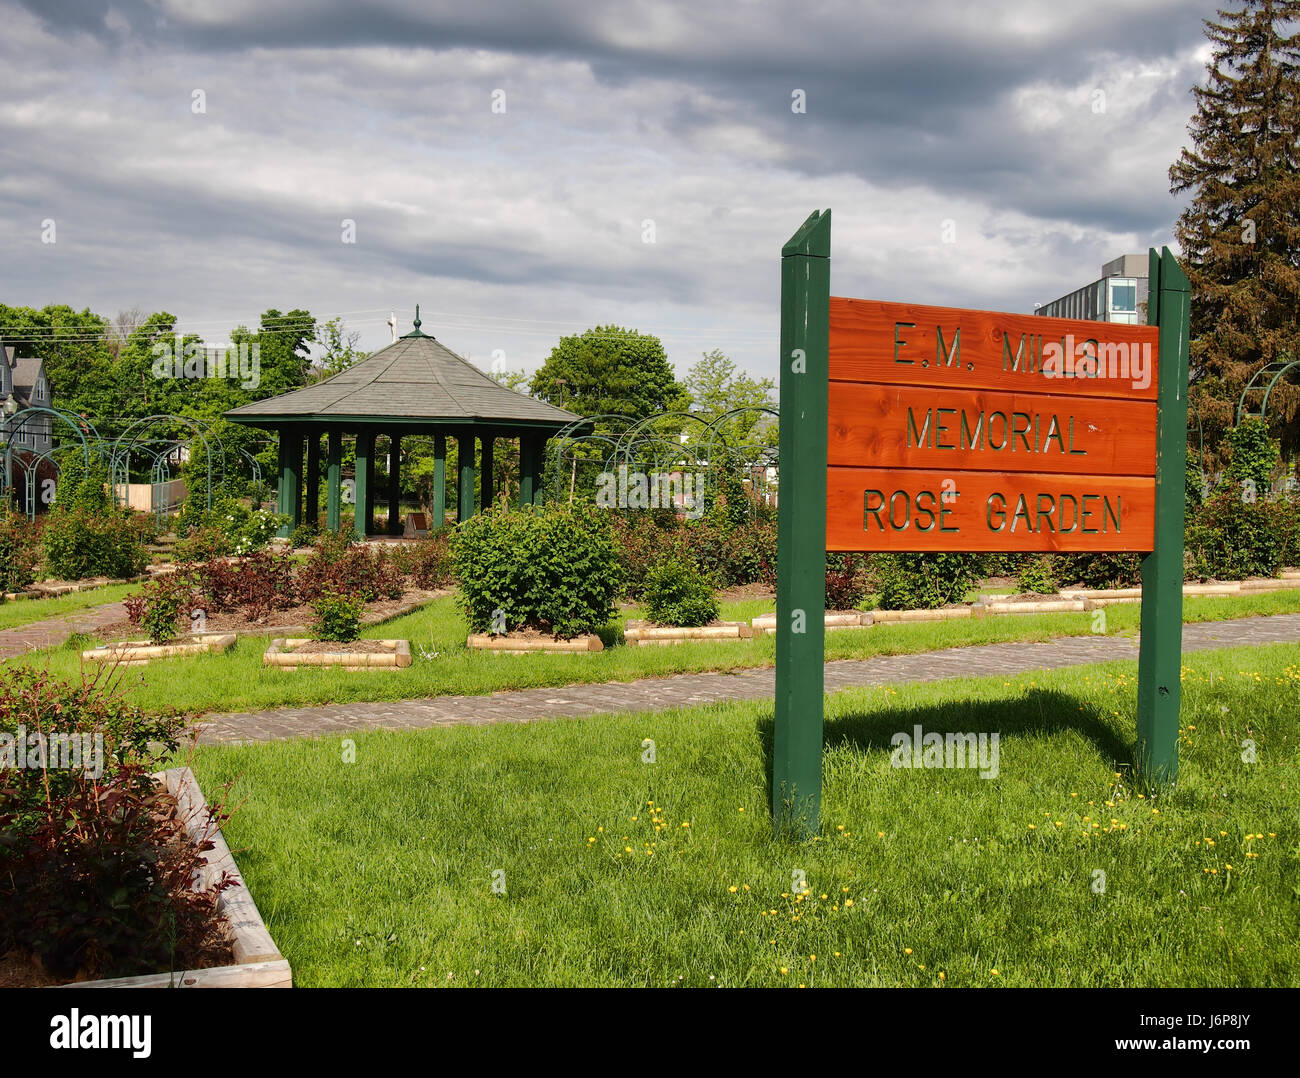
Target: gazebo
(414, 386)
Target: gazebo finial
(415, 332)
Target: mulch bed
(334, 647)
(292, 618)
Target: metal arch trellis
(1277, 368)
(646, 445)
(80, 425)
(133, 439)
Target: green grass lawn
(621, 872)
(237, 681)
(26, 611)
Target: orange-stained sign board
(975, 430)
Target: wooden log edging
(258, 961)
(142, 652)
(643, 633)
(518, 644)
(282, 654)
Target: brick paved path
(684, 690)
(52, 632)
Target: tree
(339, 346)
(717, 386)
(284, 348)
(1240, 235)
(609, 370)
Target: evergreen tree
(1240, 235)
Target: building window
(1123, 297)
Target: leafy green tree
(717, 386)
(339, 348)
(285, 342)
(611, 370)
(1240, 234)
(74, 346)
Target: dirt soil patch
(334, 647)
(297, 617)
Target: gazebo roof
(415, 380)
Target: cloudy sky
(528, 170)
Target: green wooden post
(1160, 651)
(313, 478)
(486, 480)
(801, 529)
(370, 483)
(394, 484)
(527, 468)
(289, 492)
(439, 480)
(285, 480)
(465, 485)
(539, 462)
(333, 479)
(361, 482)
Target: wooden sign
(915, 428)
(973, 430)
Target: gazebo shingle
(414, 379)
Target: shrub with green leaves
(81, 542)
(95, 877)
(924, 581)
(677, 593)
(162, 606)
(1232, 537)
(338, 618)
(1099, 570)
(1038, 575)
(1252, 455)
(848, 580)
(19, 551)
(552, 568)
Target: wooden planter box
(519, 644)
(282, 654)
(258, 962)
(642, 634)
(141, 652)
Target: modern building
(23, 385)
(1120, 295)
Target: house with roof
(23, 385)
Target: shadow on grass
(1040, 711)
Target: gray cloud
(679, 114)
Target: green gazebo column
(530, 468)
(394, 484)
(439, 480)
(526, 450)
(289, 491)
(539, 462)
(485, 469)
(365, 454)
(313, 478)
(370, 485)
(465, 461)
(333, 479)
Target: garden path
(687, 690)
